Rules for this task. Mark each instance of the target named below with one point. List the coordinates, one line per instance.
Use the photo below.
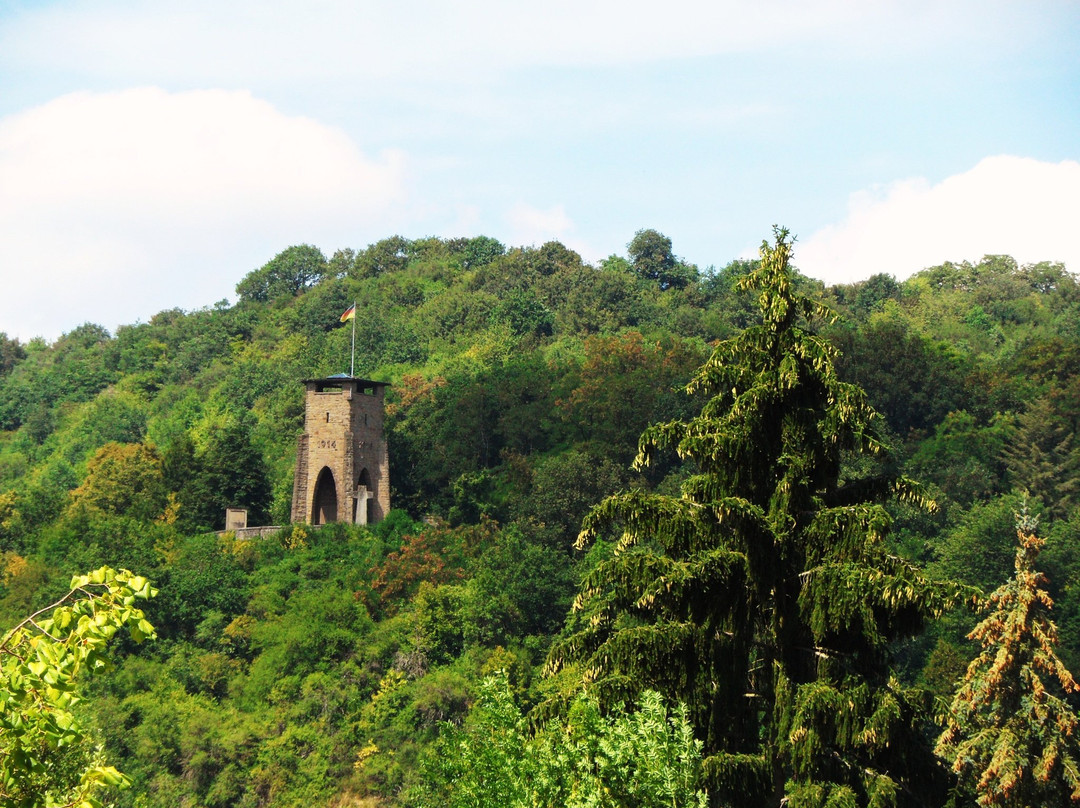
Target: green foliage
(227, 471)
(388, 255)
(526, 314)
(602, 302)
(1061, 562)
(202, 576)
(42, 499)
(285, 276)
(435, 554)
(481, 250)
(112, 416)
(468, 419)
(867, 297)
(46, 753)
(963, 457)
(913, 381)
(78, 366)
(977, 550)
(559, 490)
(519, 589)
(1042, 459)
(315, 632)
(1012, 735)
(764, 596)
(521, 379)
(11, 353)
(652, 260)
(121, 479)
(624, 384)
(646, 757)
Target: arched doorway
(324, 503)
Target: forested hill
(313, 668)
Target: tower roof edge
(339, 378)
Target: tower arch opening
(325, 501)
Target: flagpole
(352, 361)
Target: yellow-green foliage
(120, 477)
(45, 754)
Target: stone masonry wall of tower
(342, 468)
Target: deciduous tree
(652, 260)
(123, 478)
(645, 757)
(11, 353)
(286, 275)
(46, 758)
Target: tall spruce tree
(1011, 735)
(1041, 454)
(764, 596)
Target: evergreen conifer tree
(1011, 736)
(1041, 454)
(763, 596)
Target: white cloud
(529, 225)
(1004, 205)
(115, 205)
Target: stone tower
(342, 464)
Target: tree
(389, 255)
(976, 550)
(76, 367)
(479, 251)
(1011, 735)
(913, 381)
(123, 478)
(11, 353)
(1040, 455)
(963, 457)
(652, 260)
(46, 758)
(524, 312)
(202, 577)
(764, 597)
(605, 301)
(437, 554)
(625, 382)
(553, 257)
(285, 276)
(869, 296)
(228, 472)
(645, 757)
(561, 489)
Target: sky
(153, 153)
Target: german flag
(350, 313)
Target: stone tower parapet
(342, 462)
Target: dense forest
(570, 595)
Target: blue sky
(152, 153)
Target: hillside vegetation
(315, 667)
